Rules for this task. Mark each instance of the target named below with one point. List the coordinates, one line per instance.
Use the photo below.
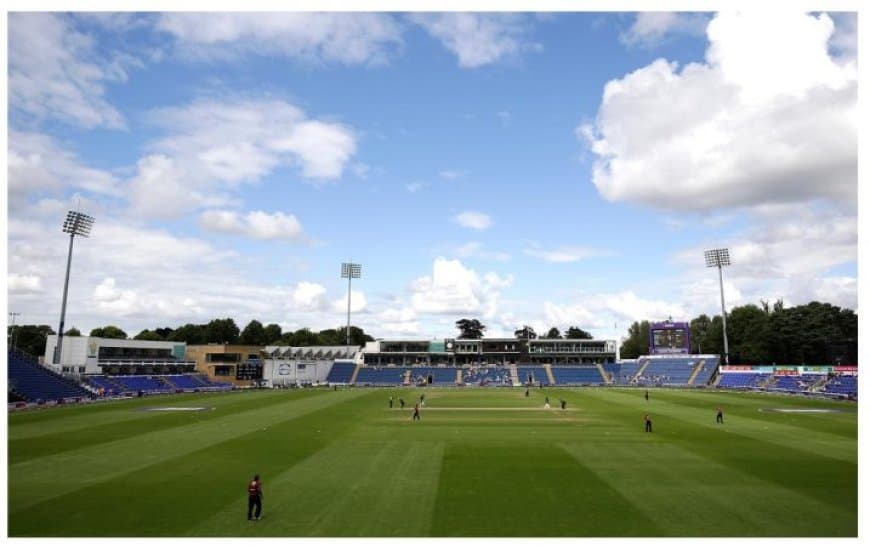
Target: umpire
(255, 498)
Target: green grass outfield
(482, 462)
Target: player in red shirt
(255, 498)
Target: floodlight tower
(350, 271)
(79, 224)
(719, 258)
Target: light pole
(12, 329)
(350, 271)
(79, 224)
(719, 258)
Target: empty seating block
(380, 376)
(844, 384)
(136, 383)
(742, 380)
(577, 375)
(33, 382)
(668, 371)
(627, 371)
(341, 372)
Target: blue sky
(553, 170)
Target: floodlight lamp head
(717, 257)
(77, 223)
(351, 270)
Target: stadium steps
(819, 385)
(604, 376)
(459, 380)
(355, 373)
(640, 370)
(407, 379)
(696, 371)
(515, 377)
(549, 371)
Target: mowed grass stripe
(34, 423)
(662, 406)
(105, 431)
(167, 498)
(690, 495)
(794, 460)
(345, 490)
(750, 405)
(526, 491)
(38, 479)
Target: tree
(164, 332)
(553, 334)
(748, 337)
(73, 332)
(272, 334)
(526, 332)
(192, 334)
(148, 335)
(109, 332)
(470, 328)
(29, 338)
(253, 334)
(637, 342)
(577, 333)
(222, 331)
(699, 327)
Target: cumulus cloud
(256, 224)
(346, 38)
(650, 29)
(453, 288)
(55, 72)
(358, 303)
(478, 39)
(473, 219)
(39, 164)
(310, 296)
(474, 249)
(212, 147)
(16, 283)
(761, 121)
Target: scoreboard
(669, 338)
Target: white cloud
(650, 29)
(416, 186)
(212, 147)
(398, 321)
(256, 224)
(37, 163)
(564, 254)
(16, 283)
(55, 73)
(761, 121)
(601, 311)
(347, 38)
(473, 219)
(358, 303)
(451, 174)
(309, 296)
(478, 39)
(453, 288)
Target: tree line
(813, 334)
(31, 338)
(474, 329)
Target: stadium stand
(33, 382)
(375, 376)
(627, 371)
(440, 376)
(576, 375)
(613, 369)
(487, 376)
(711, 364)
(341, 372)
(742, 380)
(846, 385)
(538, 374)
(148, 384)
(794, 383)
(668, 371)
(103, 382)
